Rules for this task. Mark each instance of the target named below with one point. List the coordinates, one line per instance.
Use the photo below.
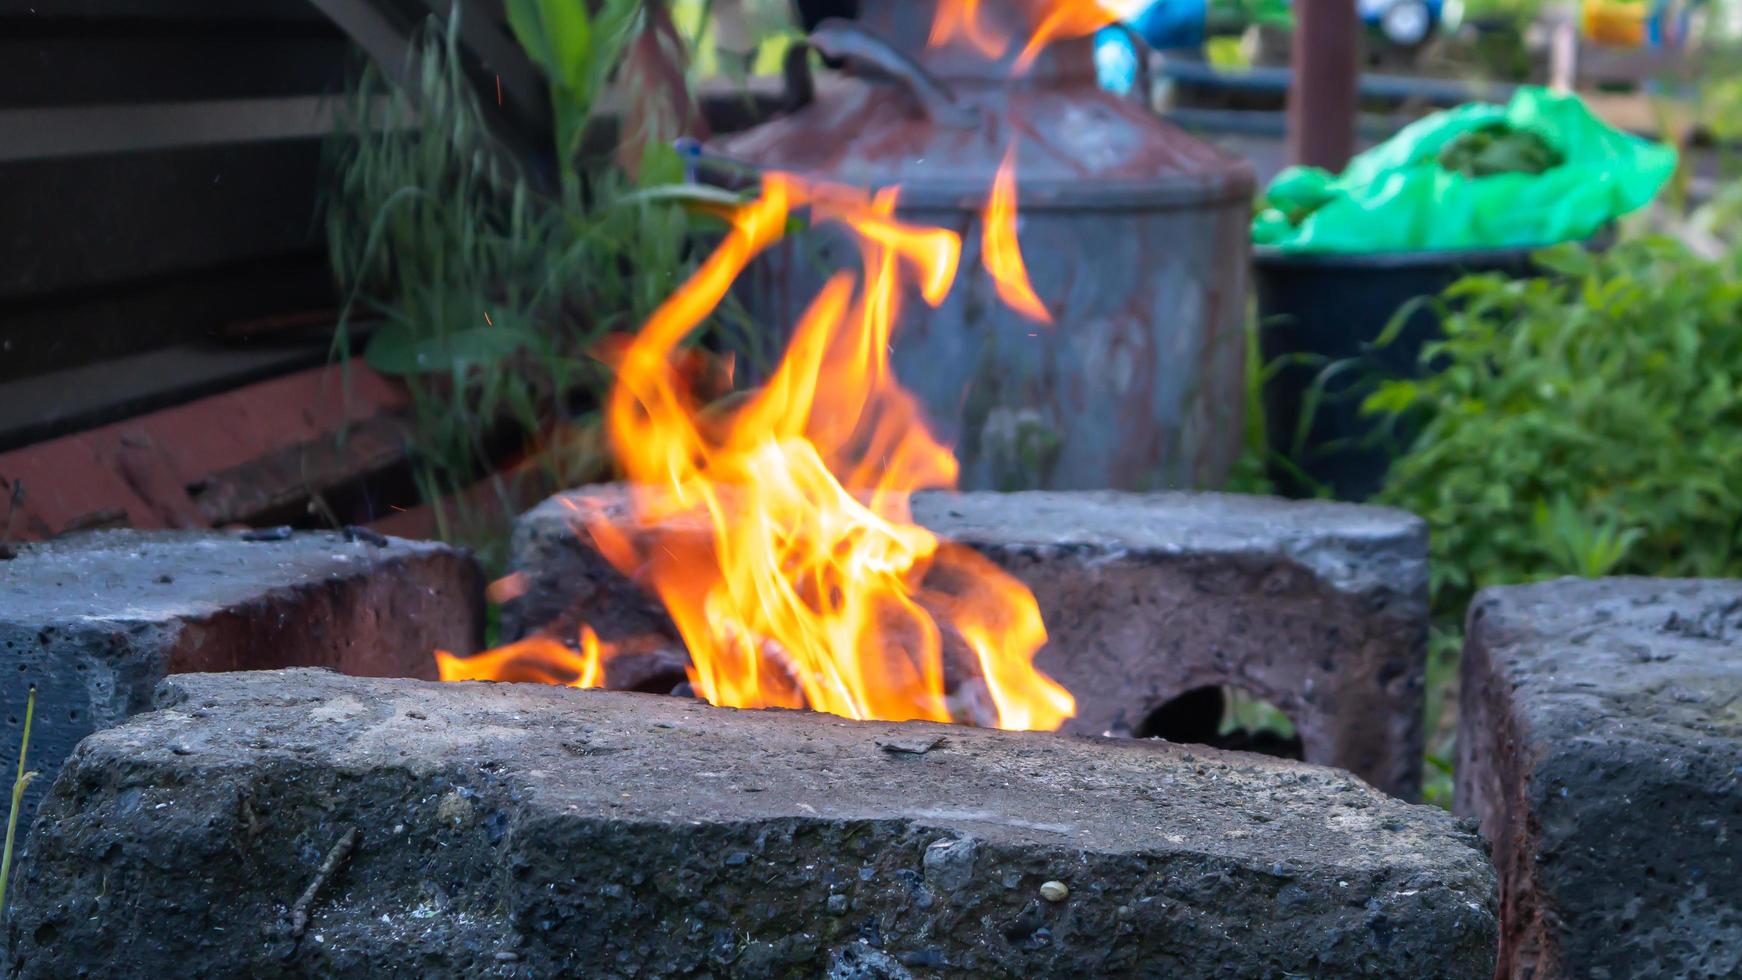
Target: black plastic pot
(1331, 308)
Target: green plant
(1258, 461)
(1488, 39)
(1250, 473)
(18, 786)
(1718, 94)
(488, 289)
(1232, 17)
(764, 27)
(1517, 13)
(577, 46)
(1582, 423)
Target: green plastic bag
(1397, 197)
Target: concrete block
(1318, 608)
(1600, 747)
(534, 831)
(96, 620)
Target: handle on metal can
(1143, 86)
(865, 52)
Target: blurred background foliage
(487, 288)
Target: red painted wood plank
(144, 465)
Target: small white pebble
(1055, 891)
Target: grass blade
(18, 786)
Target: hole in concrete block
(1194, 717)
(1224, 717)
(663, 682)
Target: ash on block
(96, 620)
(1319, 608)
(1600, 745)
(303, 823)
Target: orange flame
(961, 19)
(1066, 19)
(506, 589)
(1054, 20)
(534, 660)
(808, 583)
(1001, 249)
(812, 586)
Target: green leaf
(398, 350)
(558, 37)
(702, 195)
(1392, 398)
(569, 32)
(526, 20)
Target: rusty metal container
(1135, 235)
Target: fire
(535, 660)
(961, 21)
(778, 532)
(1002, 252)
(809, 585)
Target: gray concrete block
(1318, 608)
(96, 620)
(1600, 747)
(537, 831)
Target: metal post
(1563, 50)
(1327, 71)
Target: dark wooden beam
(276, 487)
(159, 11)
(46, 406)
(507, 84)
(75, 131)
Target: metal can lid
(1077, 147)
